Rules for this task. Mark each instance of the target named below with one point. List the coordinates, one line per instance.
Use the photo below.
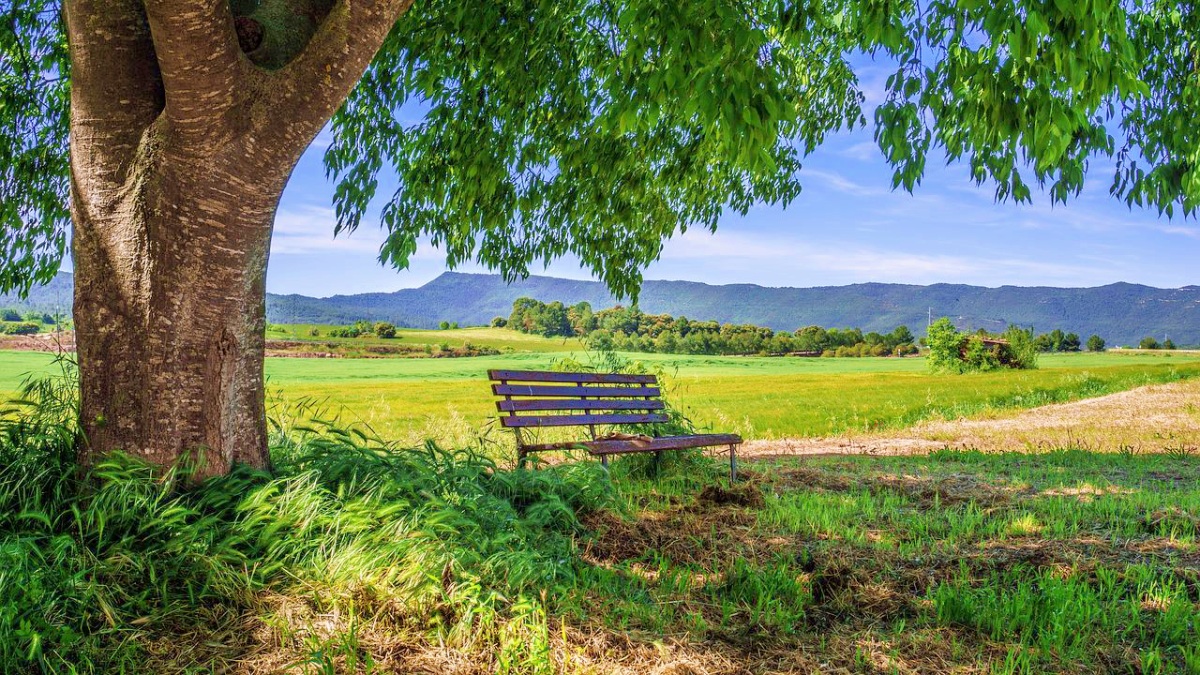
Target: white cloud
(309, 229)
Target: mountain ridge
(1121, 312)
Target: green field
(496, 338)
(448, 398)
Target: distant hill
(1120, 313)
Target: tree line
(630, 329)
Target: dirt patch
(745, 494)
(1155, 418)
(54, 343)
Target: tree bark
(170, 311)
(180, 150)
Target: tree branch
(202, 65)
(116, 91)
(304, 94)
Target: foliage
(20, 328)
(1057, 341)
(1149, 342)
(630, 329)
(1095, 343)
(384, 329)
(952, 351)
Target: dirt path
(1156, 418)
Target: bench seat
(533, 399)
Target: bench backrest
(536, 398)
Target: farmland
(448, 398)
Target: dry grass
(1156, 418)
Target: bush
(22, 328)
(499, 322)
(1148, 343)
(10, 315)
(1095, 344)
(384, 329)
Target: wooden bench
(537, 399)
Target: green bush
(21, 328)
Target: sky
(846, 227)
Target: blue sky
(846, 227)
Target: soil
(1155, 418)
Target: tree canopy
(522, 130)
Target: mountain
(1120, 313)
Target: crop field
(496, 338)
(448, 399)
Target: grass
(357, 555)
(496, 338)
(449, 400)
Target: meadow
(449, 400)
(429, 553)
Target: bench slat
(574, 404)
(580, 420)
(618, 447)
(624, 446)
(546, 376)
(589, 392)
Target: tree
(384, 329)
(945, 346)
(593, 128)
(1148, 343)
(1095, 343)
(499, 322)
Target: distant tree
(314, 332)
(499, 322)
(1168, 344)
(11, 315)
(22, 328)
(453, 325)
(901, 336)
(945, 346)
(1020, 352)
(445, 325)
(48, 320)
(1148, 343)
(384, 329)
(1070, 343)
(1095, 343)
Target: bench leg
(733, 464)
(604, 462)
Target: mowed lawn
(449, 399)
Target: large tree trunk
(169, 309)
(185, 126)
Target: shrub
(499, 322)
(1095, 344)
(21, 328)
(945, 346)
(384, 329)
(1148, 343)
(10, 315)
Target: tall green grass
(124, 567)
